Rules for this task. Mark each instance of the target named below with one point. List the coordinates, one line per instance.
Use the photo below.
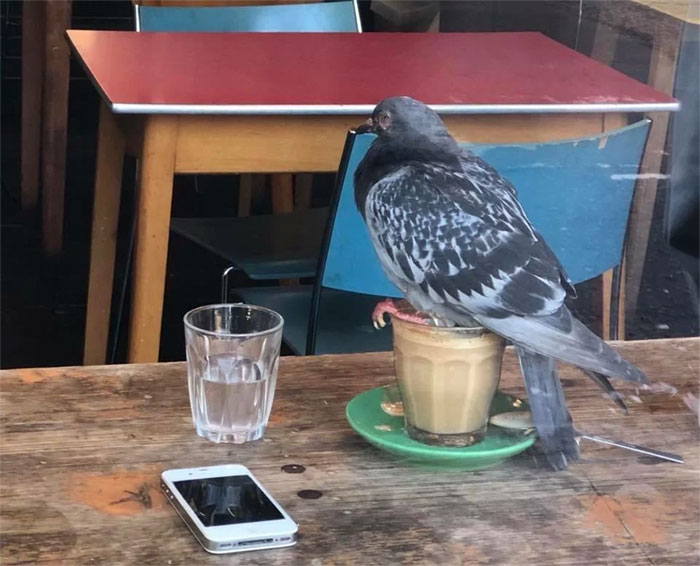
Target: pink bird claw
(384, 307)
(387, 306)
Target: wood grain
(32, 64)
(612, 122)
(82, 449)
(152, 232)
(282, 193)
(309, 144)
(606, 284)
(54, 123)
(103, 241)
(303, 186)
(245, 194)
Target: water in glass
(232, 374)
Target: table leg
(154, 202)
(32, 58)
(105, 217)
(54, 123)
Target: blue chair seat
(346, 318)
(264, 247)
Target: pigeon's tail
(559, 335)
(549, 413)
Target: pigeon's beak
(366, 128)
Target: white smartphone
(227, 509)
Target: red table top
(348, 73)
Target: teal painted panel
(316, 17)
(577, 194)
(351, 263)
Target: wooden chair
(577, 193)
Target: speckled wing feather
(466, 245)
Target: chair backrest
(577, 193)
(314, 17)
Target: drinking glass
(232, 357)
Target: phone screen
(228, 500)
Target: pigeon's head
(401, 117)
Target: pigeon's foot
(387, 306)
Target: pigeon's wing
(462, 244)
(483, 175)
(560, 335)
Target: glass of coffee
(447, 377)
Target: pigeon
(450, 233)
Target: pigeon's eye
(384, 120)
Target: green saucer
(365, 415)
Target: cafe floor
(43, 300)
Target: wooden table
(82, 450)
(243, 103)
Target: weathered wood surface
(82, 449)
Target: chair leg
(282, 193)
(620, 308)
(607, 283)
(245, 194)
(122, 295)
(613, 283)
(302, 191)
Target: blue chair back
(577, 193)
(316, 17)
